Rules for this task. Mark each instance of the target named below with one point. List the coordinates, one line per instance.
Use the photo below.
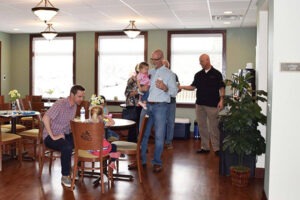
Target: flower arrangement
(50, 91)
(96, 100)
(14, 95)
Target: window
(52, 66)
(118, 56)
(185, 49)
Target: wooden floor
(185, 176)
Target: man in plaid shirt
(57, 131)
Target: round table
(122, 124)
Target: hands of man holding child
(160, 84)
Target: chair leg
(34, 148)
(139, 166)
(82, 171)
(19, 143)
(117, 165)
(50, 160)
(74, 172)
(0, 158)
(101, 178)
(93, 166)
(41, 162)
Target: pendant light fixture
(131, 31)
(44, 10)
(49, 33)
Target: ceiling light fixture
(44, 10)
(131, 31)
(227, 17)
(228, 12)
(49, 33)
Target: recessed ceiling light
(226, 23)
(16, 29)
(227, 12)
(227, 17)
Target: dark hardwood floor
(185, 176)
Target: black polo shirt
(208, 86)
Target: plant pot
(239, 176)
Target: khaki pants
(208, 114)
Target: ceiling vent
(227, 17)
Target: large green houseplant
(241, 123)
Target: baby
(143, 79)
(97, 116)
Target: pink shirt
(60, 114)
(143, 79)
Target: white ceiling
(114, 15)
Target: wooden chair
(2, 99)
(89, 136)
(34, 98)
(11, 141)
(19, 127)
(45, 152)
(31, 137)
(29, 122)
(133, 149)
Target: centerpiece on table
(96, 100)
(14, 95)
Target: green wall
(240, 48)
(20, 64)
(5, 62)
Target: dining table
(13, 115)
(16, 114)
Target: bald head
(157, 58)
(205, 61)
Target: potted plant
(241, 125)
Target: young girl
(110, 135)
(108, 148)
(143, 79)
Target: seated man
(56, 133)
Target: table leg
(13, 125)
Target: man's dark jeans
(65, 146)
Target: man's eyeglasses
(155, 59)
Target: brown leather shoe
(157, 168)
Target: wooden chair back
(5, 106)
(142, 131)
(34, 98)
(1, 99)
(87, 136)
(25, 104)
(38, 106)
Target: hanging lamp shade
(49, 33)
(131, 31)
(44, 10)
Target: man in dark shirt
(209, 101)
